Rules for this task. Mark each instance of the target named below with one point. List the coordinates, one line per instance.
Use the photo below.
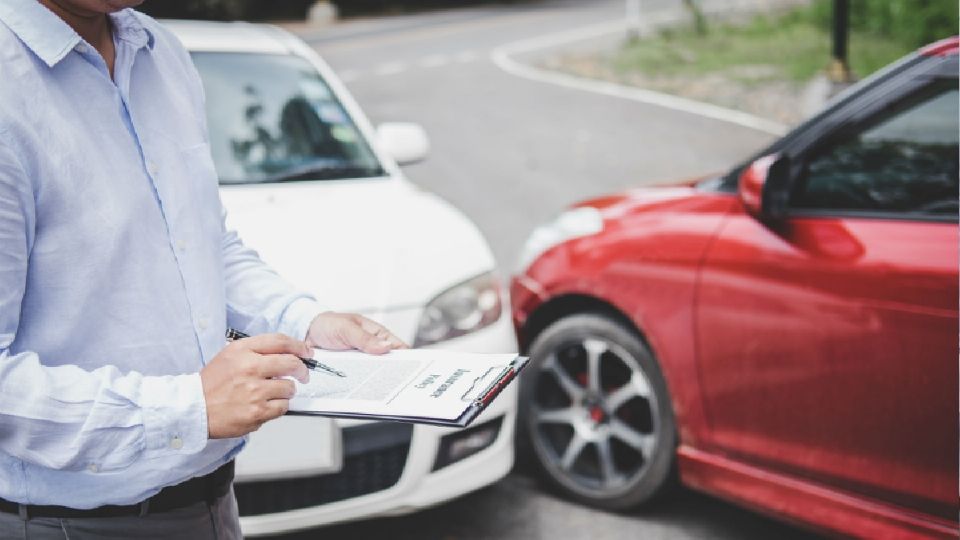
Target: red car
(784, 336)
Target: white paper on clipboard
(403, 384)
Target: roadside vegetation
(766, 64)
(795, 45)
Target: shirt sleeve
(65, 417)
(258, 299)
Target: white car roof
(228, 36)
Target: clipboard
(471, 410)
(472, 407)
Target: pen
(309, 362)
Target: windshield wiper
(324, 171)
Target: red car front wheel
(596, 413)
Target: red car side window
(906, 163)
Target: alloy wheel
(593, 418)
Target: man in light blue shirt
(118, 280)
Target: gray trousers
(216, 521)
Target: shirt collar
(128, 27)
(51, 39)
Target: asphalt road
(519, 508)
(510, 153)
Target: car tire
(557, 422)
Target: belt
(205, 488)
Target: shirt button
(203, 323)
(152, 168)
(182, 245)
(176, 443)
(93, 467)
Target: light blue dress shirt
(117, 274)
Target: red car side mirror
(763, 187)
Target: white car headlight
(573, 223)
(461, 309)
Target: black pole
(840, 68)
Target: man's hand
(343, 331)
(241, 387)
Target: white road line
(502, 58)
(434, 60)
(390, 68)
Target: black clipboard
(472, 409)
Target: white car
(317, 192)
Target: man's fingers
(343, 331)
(364, 340)
(274, 408)
(276, 344)
(374, 345)
(380, 332)
(280, 389)
(283, 365)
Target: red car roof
(944, 47)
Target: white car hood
(368, 245)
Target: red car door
(827, 342)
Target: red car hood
(643, 198)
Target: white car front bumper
(419, 485)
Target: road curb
(503, 57)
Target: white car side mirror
(405, 142)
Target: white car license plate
(291, 446)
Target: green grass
(788, 47)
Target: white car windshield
(272, 118)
